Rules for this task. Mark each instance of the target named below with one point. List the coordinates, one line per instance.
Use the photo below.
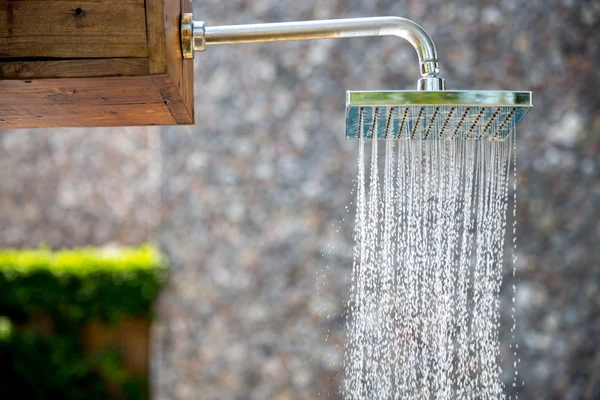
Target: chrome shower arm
(195, 36)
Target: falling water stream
(427, 271)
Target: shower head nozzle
(435, 115)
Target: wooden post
(68, 63)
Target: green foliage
(72, 286)
(36, 368)
(69, 288)
(5, 328)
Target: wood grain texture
(80, 91)
(77, 102)
(112, 62)
(65, 116)
(155, 23)
(72, 29)
(172, 98)
(164, 46)
(74, 68)
(69, 47)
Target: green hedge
(70, 288)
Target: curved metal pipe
(203, 36)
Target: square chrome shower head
(435, 115)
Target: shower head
(428, 113)
(441, 115)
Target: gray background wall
(250, 204)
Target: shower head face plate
(435, 115)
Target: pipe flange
(187, 35)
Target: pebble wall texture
(78, 187)
(252, 200)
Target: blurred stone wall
(78, 187)
(252, 200)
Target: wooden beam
(72, 29)
(82, 102)
(66, 116)
(74, 68)
(93, 63)
(164, 44)
(86, 91)
(157, 49)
